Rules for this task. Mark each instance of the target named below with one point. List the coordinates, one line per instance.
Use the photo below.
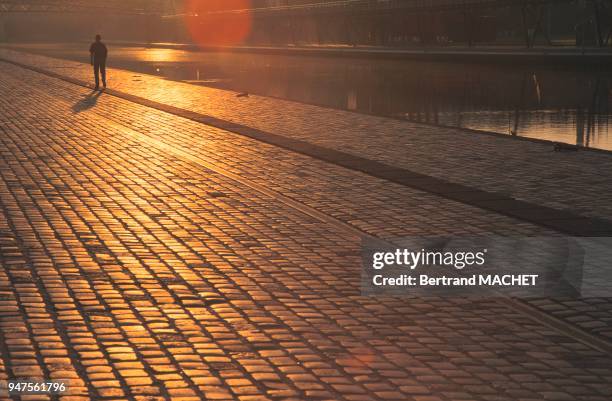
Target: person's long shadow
(87, 102)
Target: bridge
(131, 7)
(361, 22)
(400, 22)
(152, 10)
(406, 22)
(378, 6)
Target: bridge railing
(382, 5)
(138, 7)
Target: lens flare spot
(218, 22)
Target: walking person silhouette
(98, 52)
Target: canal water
(559, 103)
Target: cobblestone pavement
(531, 171)
(146, 256)
(376, 207)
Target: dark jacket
(98, 52)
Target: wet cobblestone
(377, 207)
(573, 181)
(138, 274)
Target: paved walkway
(147, 256)
(522, 169)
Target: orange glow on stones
(218, 22)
